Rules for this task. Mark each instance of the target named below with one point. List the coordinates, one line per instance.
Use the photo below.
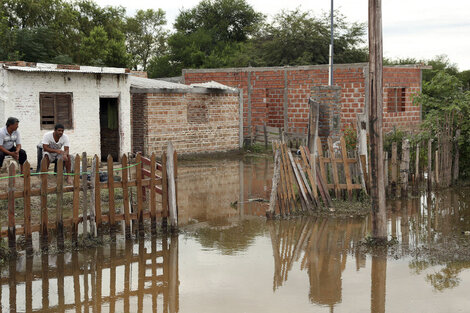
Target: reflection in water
(321, 245)
(123, 277)
(318, 258)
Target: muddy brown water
(228, 258)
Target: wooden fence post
(436, 166)
(171, 187)
(112, 206)
(386, 169)
(11, 209)
(60, 197)
(165, 208)
(405, 167)
(97, 188)
(417, 172)
(44, 215)
(265, 136)
(272, 201)
(85, 194)
(125, 196)
(93, 219)
(76, 198)
(27, 208)
(140, 216)
(153, 195)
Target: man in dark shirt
(10, 142)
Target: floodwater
(228, 258)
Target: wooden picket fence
(161, 181)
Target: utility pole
(379, 226)
(330, 76)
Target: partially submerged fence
(304, 181)
(86, 189)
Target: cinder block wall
(193, 122)
(269, 90)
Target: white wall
(23, 102)
(3, 95)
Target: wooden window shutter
(47, 111)
(63, 109)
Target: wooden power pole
(375, 97)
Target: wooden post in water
(97, 194)
(417, 173)
(165, 209)
(92, 198)
(334, 167)
(171, 187)
(140, 215)
(405, 167)
(27, 208)
(265, 136)
(44, 215)
(386, 170)
(60, 199)
(429, 165)
(272, 200)
(379, 225)
(125, 196)
(153, 195)
(347, 168)
(85, 194)
(11, 209)
(394, 169)
(112, 207)
(76, 199)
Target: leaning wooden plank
(303, 152)
(289, 177)
(306, 184)
(321, 160)
(27, 207)
(11, 209)
(347, 169)
(298, 178)
(394, 168)
(362, 157)
(59, 202)
(405, 167)
(274, 189)
(165, 209)
(324, 190)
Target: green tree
(299, 38)
(146, 37)
(209, 35)
(93, 49)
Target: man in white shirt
(10, 142)
(55, 145)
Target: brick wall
(264, 90)
(330, 110)
(193, 122)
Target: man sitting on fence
(52, 144)
(10, 142)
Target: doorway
(109, 128)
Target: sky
(411, 28)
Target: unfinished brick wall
(264, 91)
(193, 122)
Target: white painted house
(92, 102)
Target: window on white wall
(55, 108)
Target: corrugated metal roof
(83, 69)
(146, 83)
(213, 85)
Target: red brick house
(278, 96)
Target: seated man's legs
(2, 157)
(50, 157)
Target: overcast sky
(411, 28)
